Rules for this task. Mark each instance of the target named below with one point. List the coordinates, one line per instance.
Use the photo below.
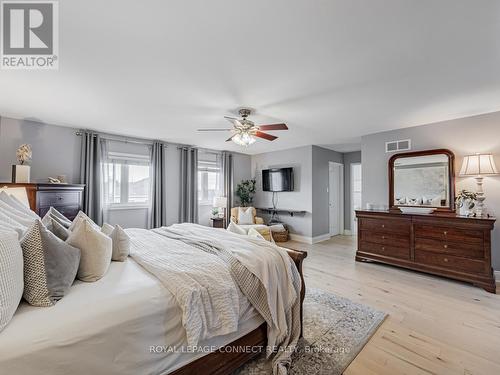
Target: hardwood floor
(435, 325)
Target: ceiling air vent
(402, 145)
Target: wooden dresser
(443, 244)
(66, 198)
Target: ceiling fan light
(244, 139)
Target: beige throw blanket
(187, 258)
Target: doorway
(355, 195)
(336, 198)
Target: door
(335, 198)
(355, 195)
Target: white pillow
(235, 228)
(8, 223)
(107, 229)
(245, 217)
(252, 232)
(53, 214)
(80, 217)
(21, 218)
(121, 241)
(16, 204)
(11, 276)
(19, 193)
(96, 250)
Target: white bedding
(106, 327)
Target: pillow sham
(16, 204)
(121, 244)
(52, 213)
(80, 217)
(18, 216)
(11, 276)
(96, 250)
(235, 228)
(59, 230)
(12, 226)
(107, 229)
(50, 266)
(245, 217)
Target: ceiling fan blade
(273, 127)
(266, 136)
(215, 130)
(230, 138)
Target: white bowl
(417, 210)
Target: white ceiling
(333, 70)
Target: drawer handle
(383, 247)
(445, 246)
(446, 259)
(445, 233)
(383, 225)
(383, 237)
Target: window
(126, 179)
(209, 177)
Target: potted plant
(465, 202)
(245, 191)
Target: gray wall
(462, 136)
(320, 183)
(56, 149)
(300, 159)
(349, 158)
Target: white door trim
(341, 196)
(352, 197)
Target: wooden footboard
(224, 361)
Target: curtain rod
(118, 138)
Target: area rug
(335, 331)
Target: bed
(125, 323)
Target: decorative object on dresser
(479, 166)
(220, 205)
(21, 172)
(422, 178)
(465, 202)
(443, 244)
(218, 222)
(66, 198)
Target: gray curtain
(188, 208)
(228, 176)
(158, 216)
(90, 175)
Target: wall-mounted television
(277, 179)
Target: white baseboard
(497, 279)
(347, 232)
(309, 240)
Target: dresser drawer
(450, 262)
(461, 249)
(449, 234)
(388, 238)
(58, 198)
(401, 226)
(385, 250)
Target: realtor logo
(29, 37)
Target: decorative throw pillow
(9, 225)
(80, 217)
(11, 276)
(59, 230)
(252, 232)
(17, 205)
(245, 216)
(265, 232)
(96, 250)
(121, 244)
(107, 229)
(53, 214)
(50, 266)
(235, 228)
(16, 215)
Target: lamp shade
(220, 202)
(478, 165)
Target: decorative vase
(21, 174)
(464, 209)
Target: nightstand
(218, 222)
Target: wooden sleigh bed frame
(224, 362)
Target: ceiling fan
(245, 131)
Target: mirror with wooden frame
(422, 179)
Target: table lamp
(479, 166)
